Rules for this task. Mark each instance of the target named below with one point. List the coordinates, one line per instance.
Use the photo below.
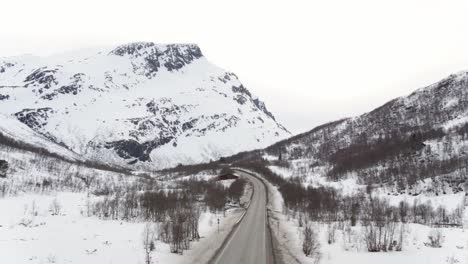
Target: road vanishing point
(250, 241)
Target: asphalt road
(250, 242)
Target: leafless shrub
(436, 238)
(51, 259)
(55, 207)
(148, 242)
(26, 221)
(452, 260)
(310, 244)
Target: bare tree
(3, 168)
(403, 208)
(310, 243)
(331, 232)
(148, 242)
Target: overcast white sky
(310, 61)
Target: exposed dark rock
(131, 149)
(172, 57)
(189, 125)
(179, 56)
(42, 78)
(260, 105)
(241, 89)
(73, 88)
(132, 49)
(227, 77)
(240, 99)
(5, 66)
(152, 64)
(165, 107)
(34, 118)
(133, 162)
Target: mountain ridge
(143, 104)
(411, 144)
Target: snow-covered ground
(44, 216)
(31, 232)
(315, 177)
(453, 250)
(350, 246)
(34, 173)
(353, 250)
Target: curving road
(250, 242)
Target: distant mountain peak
(137, 103)
(137, 49)
(151, 57)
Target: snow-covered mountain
(142, 104)
(413, 143)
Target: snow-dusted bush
(436, 238)
(55, 207)
(29, 215)
(311, 244)
(51, 259)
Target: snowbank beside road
(351, 248)
(53, 229)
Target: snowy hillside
(400, 144)
(13, 133)
(395, 174)
(141, 103)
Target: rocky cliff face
(141, 104)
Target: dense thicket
(176, 211)
(383, 224)
(326, 204)
(404, 161)
(365, 153)
(156, 205)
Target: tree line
(177, 211)
(383, 223)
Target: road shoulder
(208, 248)
(284, 241)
